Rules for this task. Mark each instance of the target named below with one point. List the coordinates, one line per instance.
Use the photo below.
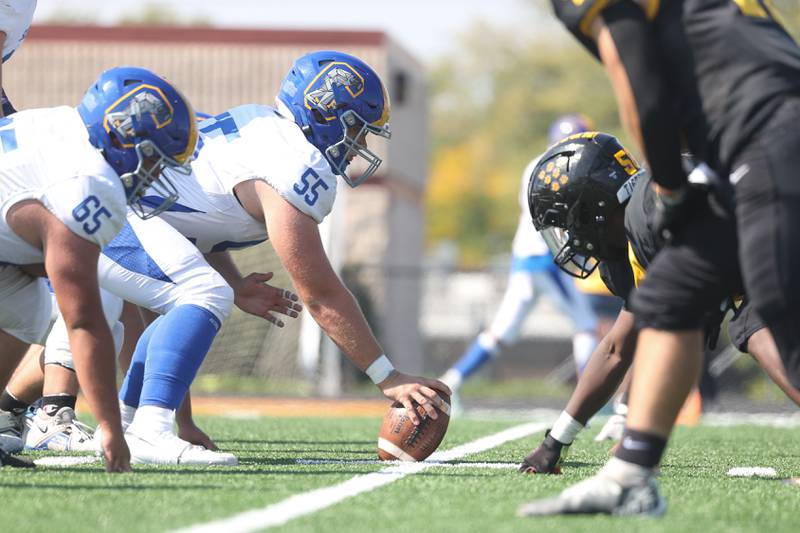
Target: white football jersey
(527, 241)
(15, 20)
(244, 143)
(46, 156)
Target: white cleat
(168, 449)
(11, 427)
(60, 432)
(613, 429)
(601, 495)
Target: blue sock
(131, 388)
(176, 349)
(474, 358)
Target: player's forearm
(223, 263)
(647, 110)
(606, 369)
(600, 379)
(338, 314)
(93, 354)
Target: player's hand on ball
(253, 295)
(407, 389)
(115, 450)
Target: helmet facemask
(149, 174)
(352, 145)
(565, 255)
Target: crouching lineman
(532, 274)
(607, 187)
(263, 171)
(66, 176)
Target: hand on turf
(253, 295)
(545, 459)
(193, 434)
(115, 450)
(408, 389)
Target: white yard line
(310, 502)
(437, 464)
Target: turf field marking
(67, 460)
(437, 464)
(310, 502)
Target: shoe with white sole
(613, 428)
(60, 432)
(168, 449)
(11, 427)
(601, 495)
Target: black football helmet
(574, 192)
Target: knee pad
(207, 290)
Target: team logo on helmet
(321, 92)
(552, 176)
(133, 108)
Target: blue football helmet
(337, 99)
(141, 124)
(566, 125)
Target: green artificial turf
(701, 497)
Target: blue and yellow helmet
(141, 124)
(337, 99)
(566, 125)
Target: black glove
(671, 212)
(546, 458)
(704, 191)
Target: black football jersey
(729, 64)
(621, 277)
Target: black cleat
(6, 459)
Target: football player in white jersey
(15, 21)
(532, 274)
(66, 176)
(264, 171)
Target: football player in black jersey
(720, 78)
(590, 200)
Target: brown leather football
(400, 439)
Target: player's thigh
(26, 308)
(768, 211)
(151, 265)
(691, 276)
(57, 349)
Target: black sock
(51, 404)
(10, 404)
(640, 448)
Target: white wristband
(379, 369)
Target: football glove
(546, 458)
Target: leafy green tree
(492, 104)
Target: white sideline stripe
(67, 460)
(309, 502)
(432, 464)
(387, 446)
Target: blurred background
(425, 245)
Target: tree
(492, 103)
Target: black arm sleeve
(638, 50)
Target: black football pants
(692, 275)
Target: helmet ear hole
(318, 118)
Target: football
(400, 439)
